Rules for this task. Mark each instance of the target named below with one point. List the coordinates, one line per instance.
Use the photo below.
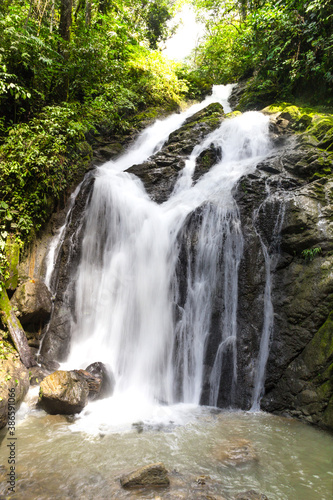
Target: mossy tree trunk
(15, 329)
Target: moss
(233, 114)
(320, 350)
(276, 108)
(12, 251)
(291, 113)
(7, 351)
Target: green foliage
(6, 349)
(310, 253)
(287, 46)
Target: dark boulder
(105, 376)
(37, 375)
(99, 379)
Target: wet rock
(307, 383)
(32, 301)
(149, 476)
(64, 393)
(105, 376)
(251, 495)
(14, 381)
(94, 383)
(206, 160)
(238, 452)
(37, 375)
(237, 93)
(48, 365)
(100, 380)
(159, 174)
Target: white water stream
(127, 285)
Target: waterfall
(271, 254)
(58, 240)
(127, 306)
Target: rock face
(32, 300)
(298, 374)
(14, 379)
(160, 172)
(149, 476)
(63, 392)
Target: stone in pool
(63, 392)
(238, 452)
(251, 495)
(149, 476)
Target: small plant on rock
(310, 253)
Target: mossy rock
(322, 127)
(233, 114)
(320, 349)
(291, 113)
(275, 108)
(15, 377)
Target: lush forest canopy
(71, 69)
(285, 45)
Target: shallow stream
(208, 453)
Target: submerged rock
(251, 495)
(14, 383)
(149, 476)
(64, 393)
(238, 452)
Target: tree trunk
(15, 329)
(52, 16)
(65, 19)
(243, 9)
(88, 13)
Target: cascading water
(127, 283)
(271, 255)
(57, 241)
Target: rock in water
(106, 377)
(64, 393)
(153, 475)
(238, 452)
(251, 495)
